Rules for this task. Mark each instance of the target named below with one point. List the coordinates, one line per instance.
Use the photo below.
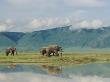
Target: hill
(63, 36)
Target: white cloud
(84, 24)
(9, 21)
(6, 25)
(94, 24)
(97, 23)
(49, 22)
(2, 27)
(85, 3)
(33, 25)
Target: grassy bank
(66, 59)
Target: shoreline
(66, 60)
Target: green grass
(66, 59)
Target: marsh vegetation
(65, 59)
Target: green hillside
(5, 41)
(63, 36)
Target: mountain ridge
(63, 36)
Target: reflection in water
(52, 70)
(12, 66)
(44, 73)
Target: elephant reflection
(12, 66)
(53, 70)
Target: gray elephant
(51, 49)
(43, 51)
(11, 51)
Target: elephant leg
(42, 53)
(57, 54)
(7, 53)
(53, 54)
(16, 53)
(48, 54)
(61, 54)
(12, 53)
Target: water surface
(44, 73)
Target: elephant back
(13, 49)
(53, 46)
(7, 50)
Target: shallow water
(44, 73)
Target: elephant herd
(55, 50)
(50, 50)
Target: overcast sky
(31, 15)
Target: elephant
(43, 51)
(51, 49)
(11, 51)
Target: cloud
(6, 25)
(94, 24)
(97, 23)
(33, 25)
(2, 27)
(49, 22)
(85, 3)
